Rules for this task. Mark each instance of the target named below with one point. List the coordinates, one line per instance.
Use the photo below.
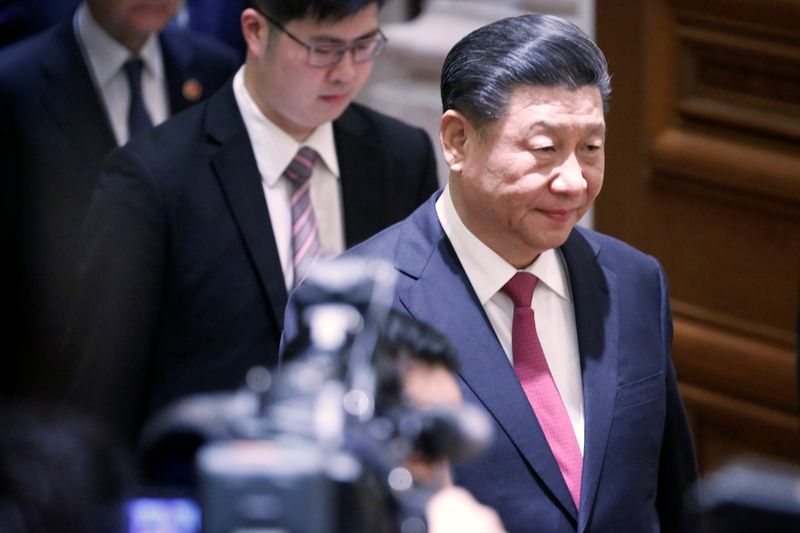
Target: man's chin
(329, 113)
(150, 19)
(551, 239)
(332, 109)
(146, 25)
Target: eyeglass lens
(363, 50)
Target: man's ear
(255, 31)
(453, 135)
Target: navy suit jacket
(183, 289)
(639, 457)
(54, 134)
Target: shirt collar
(277, 147)
(486, 270)
(107, 55)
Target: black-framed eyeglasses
(329, 54)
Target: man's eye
(363, 45)
(545, 149)
(327, 50)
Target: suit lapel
(440, 294)
(235, 167)
(361, 169)
(82, 120)
(596, 316)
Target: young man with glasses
(198, 231)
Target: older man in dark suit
(200, 228)
(563, 334)
(66, 100)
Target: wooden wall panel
(703, 171)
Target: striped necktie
(305, 237)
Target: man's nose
(344, 70)
(570, 178)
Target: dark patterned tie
(537, 382)
(138, 118)
(305, 237)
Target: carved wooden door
(703, 172)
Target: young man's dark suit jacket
(184, 291)
(54, 134)
(639, 456)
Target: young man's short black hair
(283, 11)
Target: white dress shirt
(552, 305)
(105, 58)
(274, 150)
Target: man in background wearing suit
(563, 334)
(201, 227)
(66, 100)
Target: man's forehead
(545, 107)
(360, 24)
(585, 97)
(587, 124)
(323, 37)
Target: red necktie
(305, 237)
(537, 382)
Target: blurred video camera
(320, 445)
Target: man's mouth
(558, 215)
(337, 98)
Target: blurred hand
(454, 510)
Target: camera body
(304, 449)
(282, 486)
